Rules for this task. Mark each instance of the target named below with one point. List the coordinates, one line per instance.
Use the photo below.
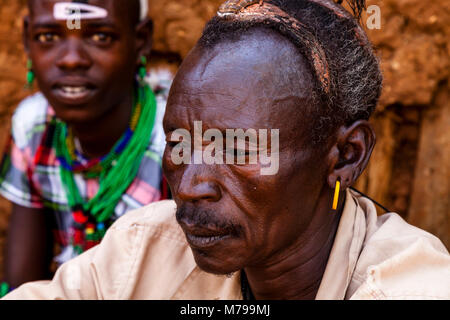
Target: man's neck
(98, 138)
(296, 274)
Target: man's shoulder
(392, 234)
(145, 253)
(160, 80)
(29, 118)
(419, 271)
(157, 217)
(389, 234)
(32, 108)
(401, 261)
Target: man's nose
(74, 56)
(197, 183)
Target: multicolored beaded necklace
(115, 171)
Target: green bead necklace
(115, 171)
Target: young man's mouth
(73, 94)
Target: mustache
(205, 218)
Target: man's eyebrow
(100, 24)
(47, 25)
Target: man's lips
(204, 241)
(203, 237)
(73, 91)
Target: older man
(304, 68)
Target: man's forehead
(212, 92)
(247, 71)
(239, 86)
(224, 88)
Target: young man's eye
(47, 37)
(172, 144)
(101, 37)
(181, 144)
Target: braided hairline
(266, 13)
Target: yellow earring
(336, 194)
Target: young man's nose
(198, 184)
(73, 56)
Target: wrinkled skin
(279, 228)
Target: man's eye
(179, 144)
(172, 144)
(101, 37)
(47, 37)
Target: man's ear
(351, 153)
(144, 36)
(26, 34)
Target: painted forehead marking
(67, 10)
(78, 10)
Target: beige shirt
(145, 256)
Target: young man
(88, 147)
(299, 233)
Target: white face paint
(143, 9)
(73, 10)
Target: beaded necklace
(115, 171)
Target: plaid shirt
(30, 171)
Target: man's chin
(76, 118)
(76, 113)
(80, 114)
(216, 265)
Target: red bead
(79, 217)
(90, 244)
(78, 237)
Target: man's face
(83, 72)
(233, 216)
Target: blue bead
(64, 163)
(126, 138)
